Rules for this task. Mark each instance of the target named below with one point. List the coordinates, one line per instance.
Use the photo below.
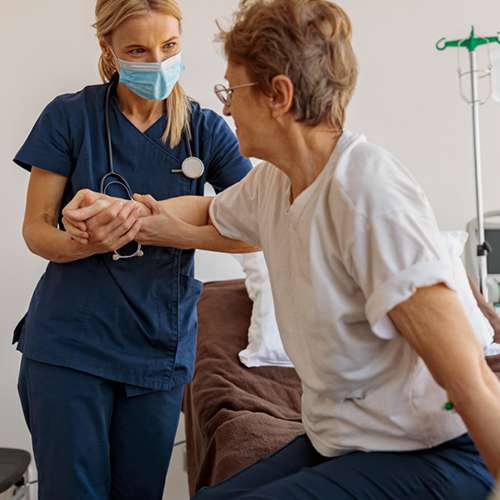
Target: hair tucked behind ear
(109, 15)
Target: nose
(156, 56)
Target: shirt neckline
(294, 209)
(124, 117)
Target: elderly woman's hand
(495, 323)
(161, 228)
(494, 361)
(494, 364)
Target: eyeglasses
(225, 93)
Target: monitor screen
(492, 236)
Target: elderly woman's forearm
(480, 411)
(208, 238)
(191, 209)
(435, 325)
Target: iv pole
(471, 44)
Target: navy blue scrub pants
(451, 471)
(91, 441)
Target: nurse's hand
(114, 226)
(161, 228)
(74, 222)
(98, 214)
(110, 223)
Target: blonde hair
(309, 41)
(109, 15)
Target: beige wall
(407, 101)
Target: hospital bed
(235, 415)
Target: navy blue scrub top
(132, 321)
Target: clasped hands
(106, 224)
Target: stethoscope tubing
(192, 167)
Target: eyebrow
(172, 38)
(134, 45)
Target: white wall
(407, 100)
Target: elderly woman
(363, 290)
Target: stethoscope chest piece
(193, 168)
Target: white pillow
(264, 342)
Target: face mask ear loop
(116, 60)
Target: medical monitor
(492, 236)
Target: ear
(103, 44)
(281, 100)
(105, 47)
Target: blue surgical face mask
(152, 81)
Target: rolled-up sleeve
(396, 253)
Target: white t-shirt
(352, 246)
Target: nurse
(108, 343)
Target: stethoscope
(192, 167)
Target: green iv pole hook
(471, 44)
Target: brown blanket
(234, 415)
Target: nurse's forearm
(52, 244)
(43, 201)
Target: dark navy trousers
(451, 471)
(92, 440)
